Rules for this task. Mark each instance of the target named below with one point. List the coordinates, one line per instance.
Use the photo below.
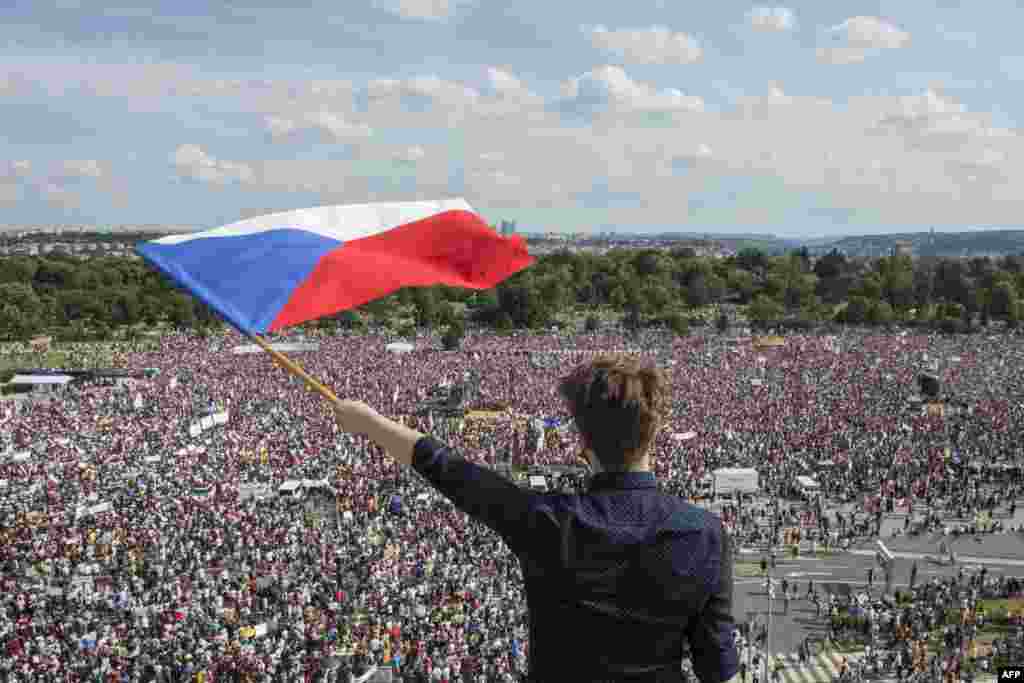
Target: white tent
(41, 383)
(399, 347)
(41, 379)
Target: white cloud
(872, 32)
(411, 155)
(441, 91)
(335, 126)
(610, 87)
(20, 168)
(424, 10)
(771, 18)
(9, 192)
(841, 55)
(85, 168)
(910, 159)
(862, 37)
(507, 86)
(654, 45)
(59, 195)
(192, 161)
(931, 114)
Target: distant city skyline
(798, 120)
(693, 231)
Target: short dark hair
(618, 403)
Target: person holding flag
(634, 603)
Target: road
(999, 553)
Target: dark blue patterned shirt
(617, 579)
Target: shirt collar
(622, 480)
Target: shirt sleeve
(712, 631)
(478, 491)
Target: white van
(293, 489)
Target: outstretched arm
(477, 491)
(358, 418)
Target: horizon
(805, 120)
(689, 231)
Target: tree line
(76, 298)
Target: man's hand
(355, 417)
(358, 418)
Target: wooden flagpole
(293, 367)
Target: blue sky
(813, 118)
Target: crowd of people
(136, 547)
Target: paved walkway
(1009, 545)
(824, 668)
(960, 559)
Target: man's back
(633, 574)
(617, 579)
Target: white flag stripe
(343, 222)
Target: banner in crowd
(208, 422)
(282, 347)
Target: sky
(810, 119)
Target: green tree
(722, 322)
(11, 322)
(18, 269)
(896, 275)
(880, 313)
(453, 336)
(124, 307)
(179, 310)
(617, 297)
(74, 304)
(555, 290)
(504, 323)
(697, 292)
(487, 298)
(752, 260)
(764, 310)
(814, 311)
(857, 310)
(425, 306)
(742, 283)
(523, 304)
(648, 262)
(950, 282)
(1004, 298)
(789, 282)
(55, 274)
(870, 287)
(679, 324)
(831, 265)
(21, 296)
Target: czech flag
(265, 273)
